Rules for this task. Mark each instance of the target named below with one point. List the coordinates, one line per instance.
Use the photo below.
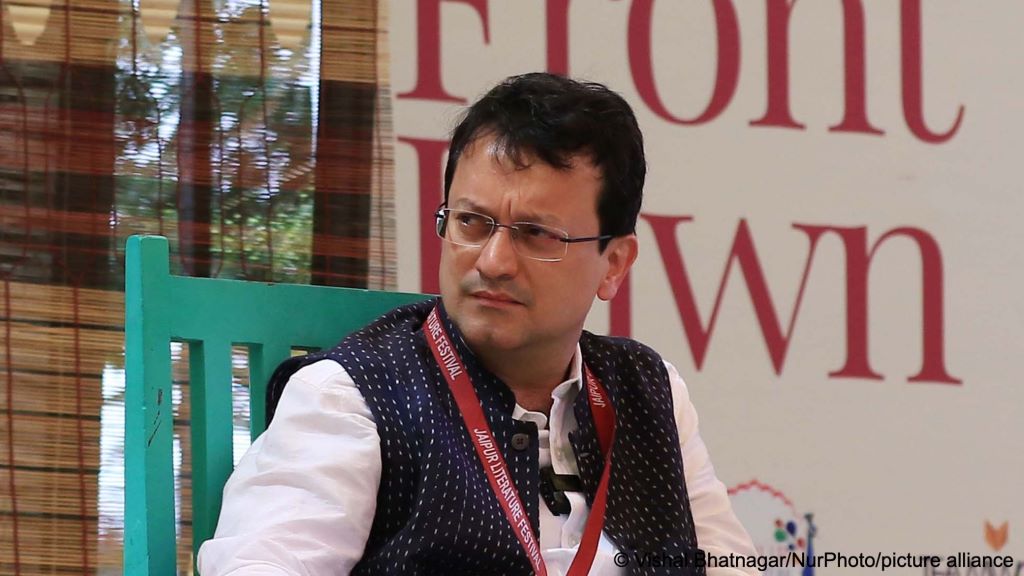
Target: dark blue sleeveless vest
(436, 512)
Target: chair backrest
(211, 316)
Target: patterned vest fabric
(436, 512)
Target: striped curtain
(255, 134)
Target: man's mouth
(496, 298)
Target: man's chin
(482, 335)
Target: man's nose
(498, 257)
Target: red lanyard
(494, 463)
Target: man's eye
(469, 219)
(535, 231)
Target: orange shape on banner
(996, 537)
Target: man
(486, 433)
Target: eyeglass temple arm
(586, 239)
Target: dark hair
(555, 118)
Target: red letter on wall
(913, 107)
(428, 49)
(858, 263)
(697, 334)
(430, 156)
(856, 117)
(642, 66)
(558, 36)
(778, 114)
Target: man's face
(504, 301)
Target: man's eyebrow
(539, 218)
(467, 204)
(521, 216)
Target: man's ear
(621, 253)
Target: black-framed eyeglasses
(535, 241)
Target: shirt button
(520, 441)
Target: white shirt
(303, 498)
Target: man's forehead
(505, 154)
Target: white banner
(830, 243)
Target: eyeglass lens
(533, 240)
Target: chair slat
(263, 359)
(210, 391)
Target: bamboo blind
(255, 134)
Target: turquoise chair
(211, 316)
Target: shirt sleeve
(718, 530)
(302, 499)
